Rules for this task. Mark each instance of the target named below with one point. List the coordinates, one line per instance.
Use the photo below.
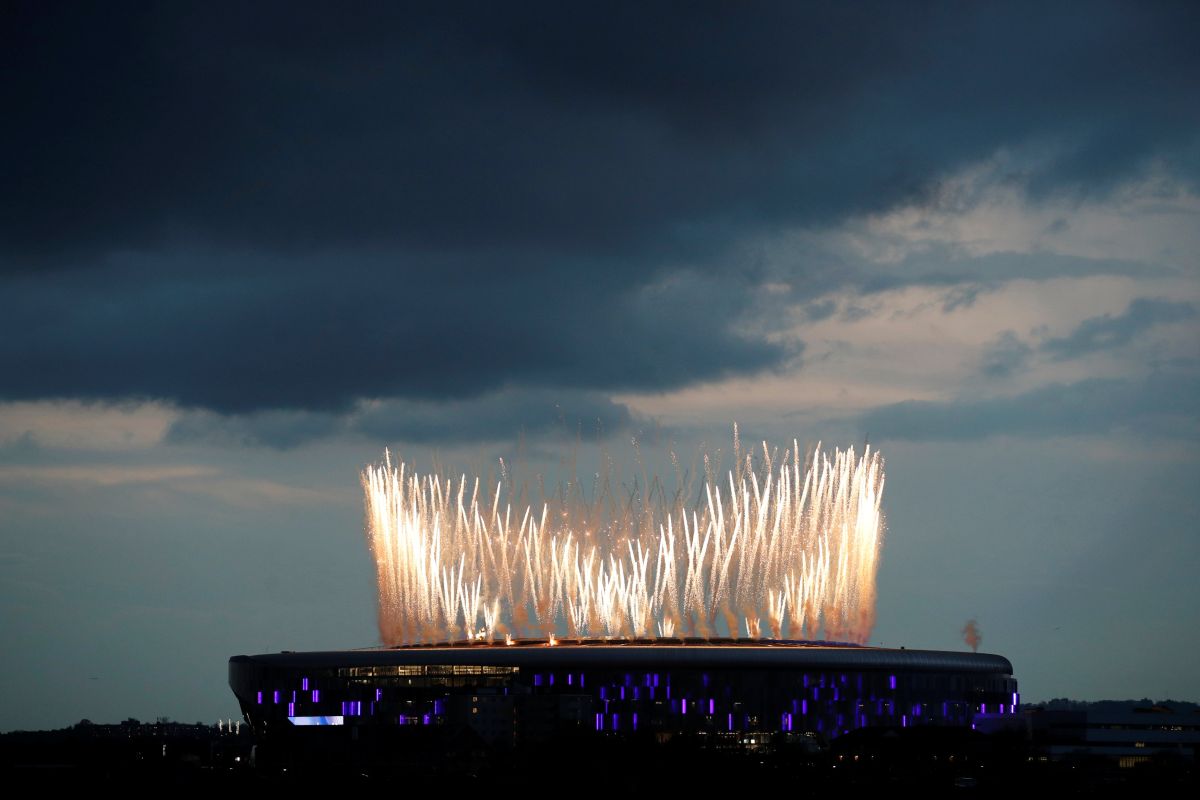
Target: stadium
(732, 692)
(792, 551)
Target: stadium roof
(645, 653)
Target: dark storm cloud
(1161, 405)
(503, 416)
(293, 125)
(280, 429)
(286, 206)
(500, 416)
(1106, 332)
(322, 332)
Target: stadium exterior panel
(733, 691)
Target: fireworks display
(781, 548)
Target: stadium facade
(733, 691)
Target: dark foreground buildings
(628, 717)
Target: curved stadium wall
(530, 691)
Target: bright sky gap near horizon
(244, 249)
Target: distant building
(1126, 737)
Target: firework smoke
(780, 553)
(972, 636)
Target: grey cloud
(945, 265)
(502, 416)
(1059, 225)
(819, 310)
(609, 127)
(497, 416)
(1107, 332)
(280, 429)
(325, 331)
(1005, 356)
(961, 297)
(854, 312)
(279, 206)
(1161, 405)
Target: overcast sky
(244, 248)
